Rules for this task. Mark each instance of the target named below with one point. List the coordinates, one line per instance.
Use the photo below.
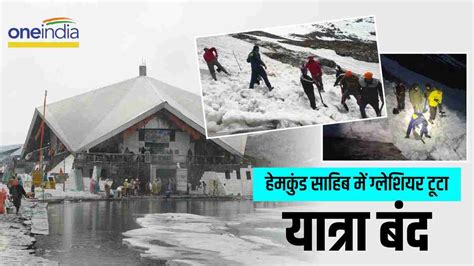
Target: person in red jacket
(314, 68)
(210, 56)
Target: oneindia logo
(59, 32)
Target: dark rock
(286, 56)
(364, 51)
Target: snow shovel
(417, 136)
(342, 109)
(425, 108)
(320, 96)
(237, 61)
(345, 107)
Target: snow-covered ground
(230, 107)
(59, 194)
(448, 133)
(15, 238)
(246, 239)
(291, 32)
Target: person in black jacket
(339, 75)
(349, 86)
(400, 91)
(371, 91)
(17, 193)
(258, 68)
(307, 83)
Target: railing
(153, 158)
(125, 157)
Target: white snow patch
(196, 239)
(356, 28)
(58, 193)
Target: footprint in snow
(244, 93)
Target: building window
(141, 135)
(172, 136)
(227, 174)
(156, 135)
(249, 175)
(103, 173)
(90, 172)
(237, 174)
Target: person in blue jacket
(416, 121)
(258, 68)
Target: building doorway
(166, 176)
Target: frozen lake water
(155, 231)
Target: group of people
(131, 188)
(15, 194)
(94, 186)
(422, 101)
(135, 187)
(366, 90)
(258, 66)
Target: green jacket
(416, 96)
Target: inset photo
(291, 76)
(426, 98)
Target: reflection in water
(91, 232)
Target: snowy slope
(357, 29)
(346, 62)
(232, 108)
(448, 140)
(292, 32)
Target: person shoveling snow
(434, 98)
(307, 83)
(210, 56)
(314, 68)
(371, 91)
(258, 68)
(349, 86)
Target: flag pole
(42, 133)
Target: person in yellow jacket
(126, 187)
(435, 98)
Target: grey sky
(115, 37)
